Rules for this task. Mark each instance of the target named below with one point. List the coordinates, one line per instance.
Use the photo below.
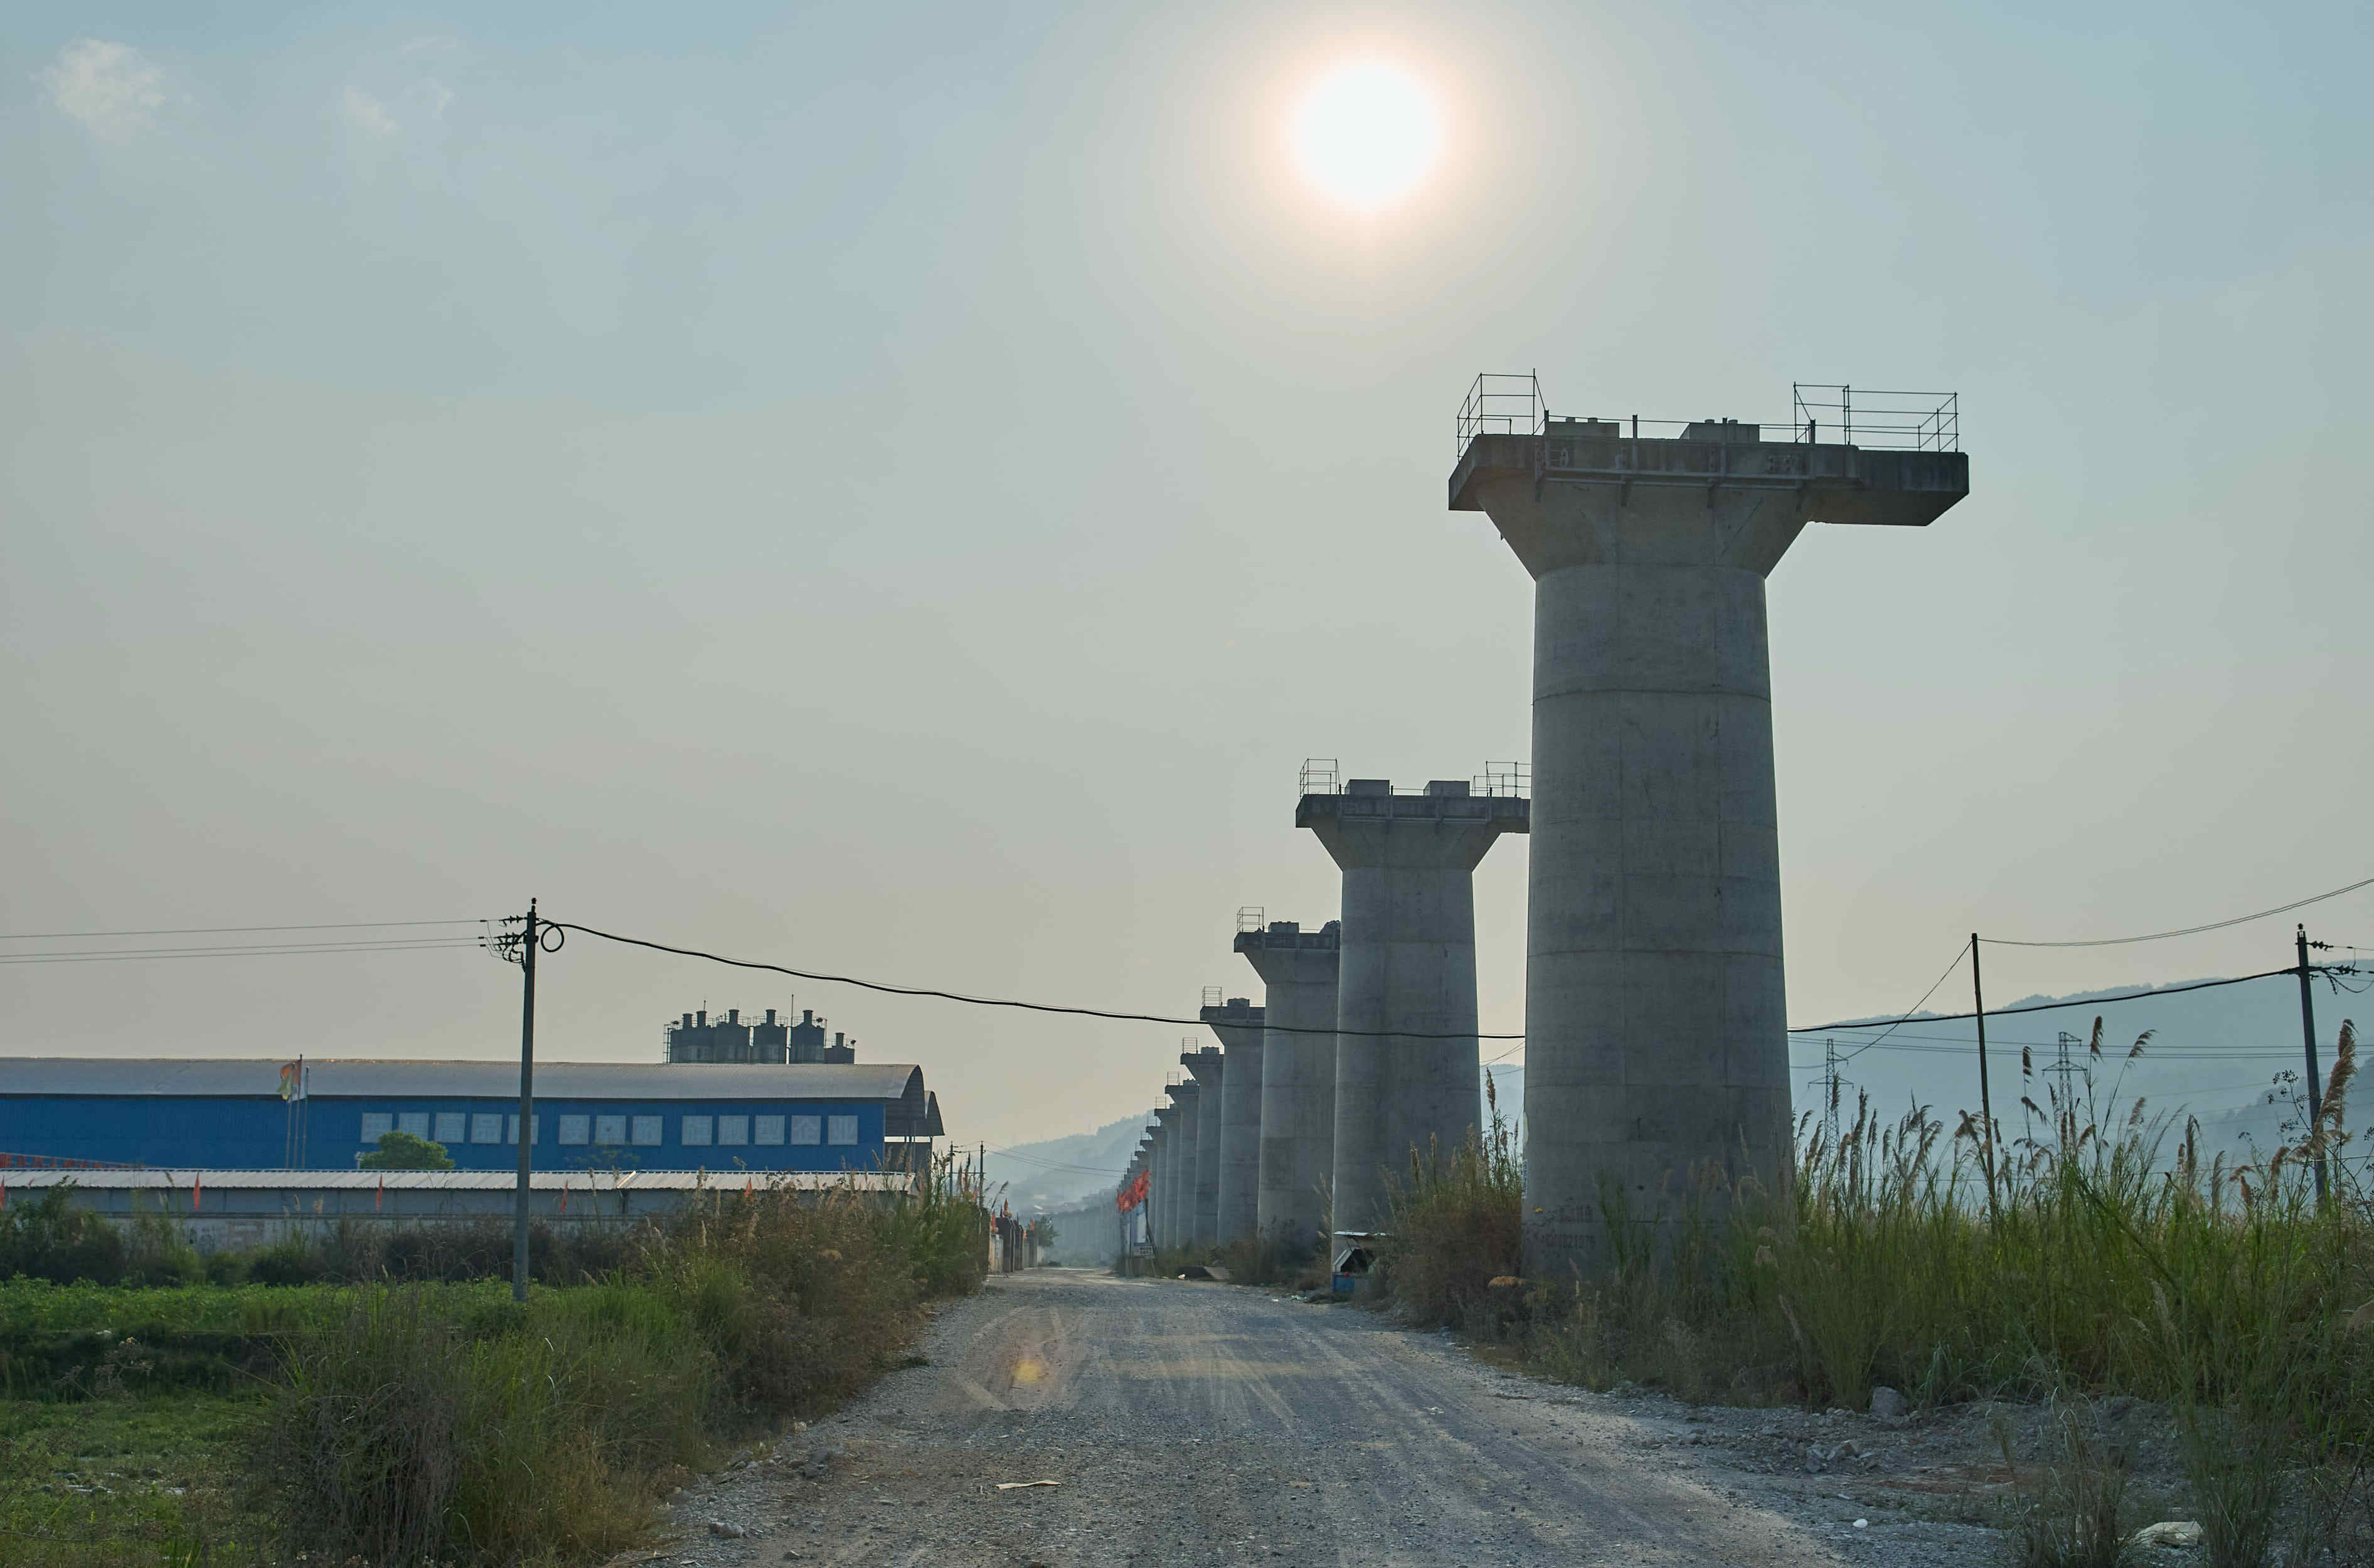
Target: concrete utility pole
(1407, 1076)
(1656, 1033)
(1210, 1068)
(530, 939)
(1986, 1095)
(1239, 1024)
(1298, 1108)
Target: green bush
(53, 1238)
(404, 1151)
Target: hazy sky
(900, 489)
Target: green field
(401, 1420)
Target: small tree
(403, 1152)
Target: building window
(377, 1125)
(808, 1130)
(576, 1129)
(767, 1130)
(449, 1125)
(486, 1127)
(534, 1130)
(647, 1131)
(610, 1131)
(840, 1129)
(733, 1129)
(696, 1131)
(413, 1122)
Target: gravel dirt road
(1194, 1423)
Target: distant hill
(1060, 1172)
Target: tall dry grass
(1457, 1223)
(2099, 1253)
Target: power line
(2188, 931)
(1950, 1043)
(2051, 1006)
(1055, 1164)
(1959, 953)
(254, 950)
(1003, 1001)
(215, 931)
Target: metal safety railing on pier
(1513, 404)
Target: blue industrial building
(234, 1115)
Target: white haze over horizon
(899, 491)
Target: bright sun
(1366, 134)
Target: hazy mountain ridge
(1057, 1171)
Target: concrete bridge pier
(1166, 1154)
(1299, 970)
(1406, 1074)
(1240, 1026)
(1187, 1132)
(1655, 1013)
(1210, 1070)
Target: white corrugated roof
(353, 1078)
(463, 1181)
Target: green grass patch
(151, 1481)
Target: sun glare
(1366, 134)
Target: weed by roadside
(1456, 1225)
(2100, 1255)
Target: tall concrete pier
(1299, 969)
(1165, 1183)
(1238, 1025)
(1186, 1130)
(1210, 1068)
(1406, 1060)
(1142, 1165)
(1655, 1017)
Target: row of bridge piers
(1656, 1040)
(1363, 1048)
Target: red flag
(379, 1200)
(564, 1195)
(198, 1186)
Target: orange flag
(198, 1186)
